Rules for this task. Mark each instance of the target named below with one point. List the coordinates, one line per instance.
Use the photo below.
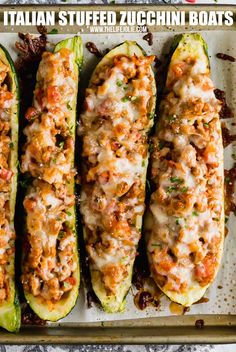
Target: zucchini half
(194, 46)
(116, 302)
(10, 313)
(63, 307)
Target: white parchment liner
(221, 300)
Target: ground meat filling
(7, 232)
(114, 128)
(184, 220)
(48, 159)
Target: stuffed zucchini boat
(10, 316)
(118, 114)
(50, 267)
(184, 223)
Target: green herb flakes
(151, 148)
(177, 180)
(61, 235)
(172, 118)
(125, 99)
(171, 189)
(61, 144)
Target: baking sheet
(221, 300)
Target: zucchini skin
(10, 313)
(112, 303)
(180, 38)
(63, 307)
(194, 46)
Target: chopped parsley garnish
(11, 145)
(66, 284)
(195, 213)
(143, 163)
(216, 219)
(125, 87)
(176, 180)
(161, 145)
(125, 99)
(61, 234)
(68, 213)
(119, 83)
(68, 225)
(177, 222)
(172, 118)
(61, 144)
(206, 124)
(171, 189)
(130, 98)
(151, 148)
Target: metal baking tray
(162, 330)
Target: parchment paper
(221, 300)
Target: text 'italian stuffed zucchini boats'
(118, 113)
(50, 265)
(184, 224)
(9, 111)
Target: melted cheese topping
(114, 128)
(184, 220)
(50, 244)
(7, 232)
